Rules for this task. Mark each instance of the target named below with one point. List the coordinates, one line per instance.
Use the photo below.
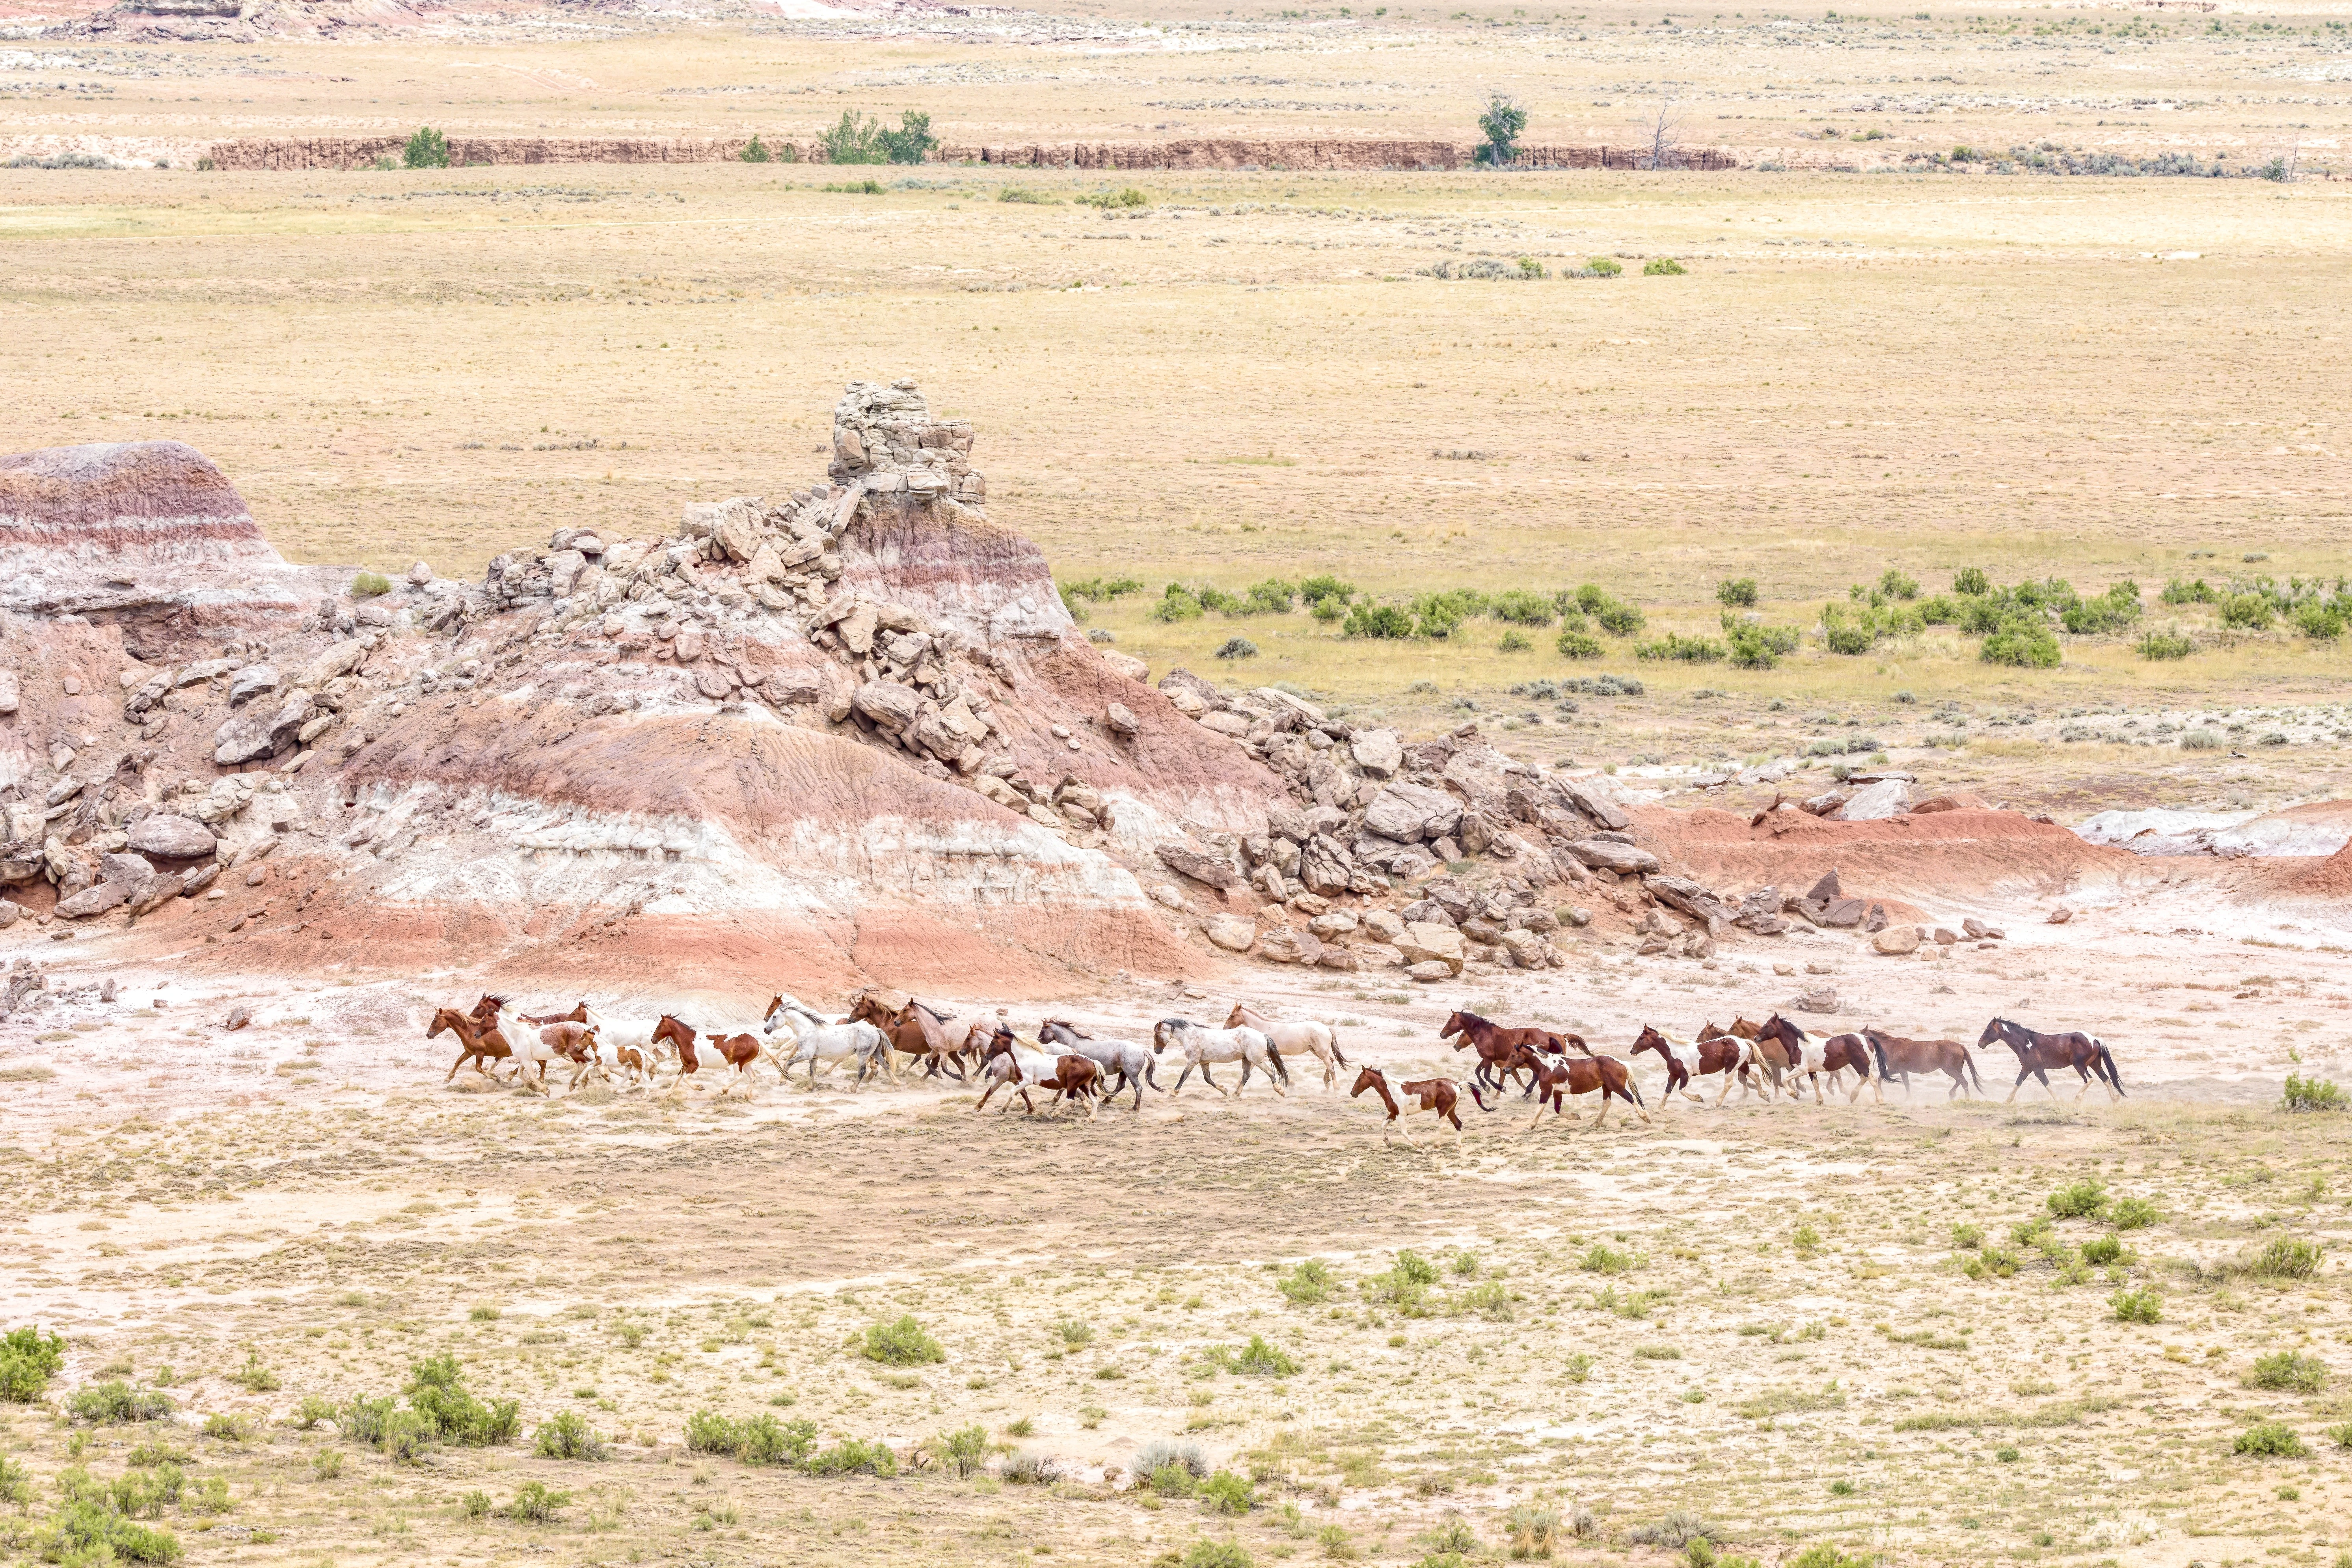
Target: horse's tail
(2107, 1060)
(1274, 1054)
(1969, 1061)
(1341, 1056)
(1478, 1098)
(1632, 1085)
(1878, 1049)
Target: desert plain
(1904, 1330)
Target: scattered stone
(10, 694)
(2060, 915)
(1433, 970)
(1575, 915)
(10, 913)
(1973, 927)
(1215, 870)
(1876, 802)
(1408, 813)
(173, 837)
(1896, 940)
(1424, 942)
(1824, 1000)
(1121, 719)
(260, 729)
(886, 704)
(1284, 945)
(1876, 921)
(238, 1017)
(94, 900)
(1231, 932)
(197, 880)
(1614, 855)
(1379, 753)
(1826, 804)
(1529, 950)
(419, 574)
(1126, 664)
(1334, 956)
(1946, 937)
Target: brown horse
(738, 1051)
(2037, 1053)
(1556, 1080)
(1496, 1042)
(1769, 1057)
(1899, 1057)
(479, 1043)
(910, 1030)
(1840, 1052)
(579, 1015)
(487, 1009)
(1074, 1077)
(1818, 1057)
(1437, 1094)
(1688, 1062)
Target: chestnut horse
(910, 1031)
(1495, 1043)
(1556, 1080)
(479, 1043)
(1437, 1094)
(1686, 1062)
(2037, 1053)
(738, 1051)
(1899, 1057)
(579, 1015)
(1072, 1077)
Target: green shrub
(1601, 267)
(436, 1391)
(1237, 647)
(1315, 589)
(2177, 592)
(1206, 1553)
(707, 1432)
(901, 1343)
(2102, 1250)
(1259, 1359)
(1737, 593)
(1662, 267)
(256, 1377)
(1577, 645)
(2140, 1306)
(2132, 1214)
(763, 1440)
(407, 1435)
(965, 1450)
(1378, 621)
(1825, 1556)
(1272, 598)
(856, 188)
(1520, 608)
(426, 149)
(1683, 649)
(1512, 642)
(2314, 619)
(2085, 1199)
(2024, 644)
(28, 1359)
(854, 1457)
(1177, 603)
(1310, 1284)
(568, 1436)
(2289, 1370)
(757, 152)
(1898, 585)
(368, 584)
(1618, 619)
(2284, 1258)
(1453, 1536)
(2247, 612)
(1534, 1529)
(475, 1504)
(1226, 1492)
(87, 1531)
(1023, 195)
(2269, 1440)
(326, 1463)
(2165, 645)
(2341, 1435)
(1603, 1258)
(1501, 123)
(1441, 614)
(2311, 1094)
(227, 1428)
(2201, 740)
(114, 1402)
(535, 1502)
(864, 139)
(1967, 1235)
(1128, 196)
(1970, 582)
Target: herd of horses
(1775, 1057)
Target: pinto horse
(2038, 1053)
(738, 1051)
(1437, 1094)
(479, 1042)
(1686, 1062)
(1899, 1057)
(1495, 1043)
(1769, 1057)
(1556, 1080)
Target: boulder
(1284, 945)
(1408, 813)
(1615, 855)
(1231, 932)
(1824, 1000)
(1332, 925)
(1876, 921)
(1214, 869)
(1876, 802)
(1187, 701)
(1432, 971)
(260, 729)
(10, 913)
(1825, 803)
(1121, 719)
(1323, 864)
(1974, 929)
(1959, 800)
(94, 900)
(1378, 752)
(886, 704)
(1126, 664)
(735, 527)
(1424, 942)
(1691, 899)
(173, 837)
(197, 880)
(1759, 911)
(1590, 798)
(1383, 926)
(2060, 915)
(1529, 950)
(1945, 936)
(1896, 940)
(9, 694)
(1334, 956)
(340, 658)
(1840, 913)
(252, 681)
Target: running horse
(2037, 1053)
(1437, 1094)
(1495, 1043)
(1580, 1075)
(1900, 1058)
(477, 1042)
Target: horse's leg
(461, 1062)
(1278, 1082)
(1212, 1083)
(1180, 1080)
(2022, 1073)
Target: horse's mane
(1469, 1017)
(937, 1015)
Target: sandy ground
(1790, 1349)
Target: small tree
(428, 149)
(757, 152)
(1666, 138)
(857, 139)
(1501, 125)
(912, 141)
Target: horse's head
(775, 1006)
(1776, 1028)
(867, 1010)
(1000, 1043)
(1995, 1031)
(1746, 1030)
(1368, 1078)
(446, 1018)
(1649, 1039)
(1458, 1022)
(1708, 1031)
(673, 1031)
(1058, 1032)
(1166, 1030)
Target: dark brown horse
(738, 1051)
(1900, 1058)
(1495, 1043)
(2037, 1053)
(1437, 1094)
(1558, 1078)
(480, 1042)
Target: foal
(1555, 1081)
(1437, 1094)
(738, 1051)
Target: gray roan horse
(2037, 1053)
(1130, 1061)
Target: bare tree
(1665, 134)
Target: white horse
(831, 1045)
(1203, 1045)
(1293, 1037)
(1132, 1062)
